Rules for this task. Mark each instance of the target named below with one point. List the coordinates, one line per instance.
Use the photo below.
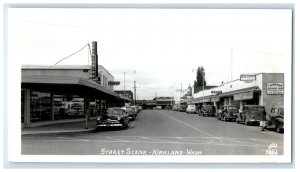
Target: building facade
(265, 89)
(53, 94)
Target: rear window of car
(191, 106)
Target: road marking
(117, 139)
(152, 138)
(188, 125)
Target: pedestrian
(263, 115)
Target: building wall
(82, 71)
(105, 78)
(272, 100)
(78, 73)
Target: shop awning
(240, 91)
(67, 85)
(201, 100)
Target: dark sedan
(114, 117)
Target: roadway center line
(188, 125)
(218, 138)
(116, 139)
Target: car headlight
(119, 118)
(99, 118)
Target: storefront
(258, 89)
(47, 97)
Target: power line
(73, 53)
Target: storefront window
(40, 106)
(73, 107)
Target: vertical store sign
(94, 66)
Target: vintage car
(207, 110)
(114, 117)
(135, 108)
(182, 108)
(175, 108)
(251, 114)
(276, 118)
(227, 113)
(131, 112)
(191, 109)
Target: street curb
(58, 132)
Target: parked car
(114, 117)
(276, 118)
(135, 108)
(191, 109)
(182, 108)
(227, 113)
(131, 112)
(251, 114)
(175, 107)
(157, 108)
(140, 108)
(207, 110)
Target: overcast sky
(164, 46)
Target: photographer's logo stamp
(272, 150)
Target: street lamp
(124, 83)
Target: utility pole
(134, 93)
(231, 53)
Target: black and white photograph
(150, 84)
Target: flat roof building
(265, 89)
(52, 94)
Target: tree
(200, 81)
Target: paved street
(160, 132)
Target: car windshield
(115, 112)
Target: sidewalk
(68, 127)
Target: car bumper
(109, 125)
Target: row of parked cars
(254, 114)
(118, 117)
(250, 114)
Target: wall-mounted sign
(244, 77)
(275, 88)
(216, 92)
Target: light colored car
(191, 109)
